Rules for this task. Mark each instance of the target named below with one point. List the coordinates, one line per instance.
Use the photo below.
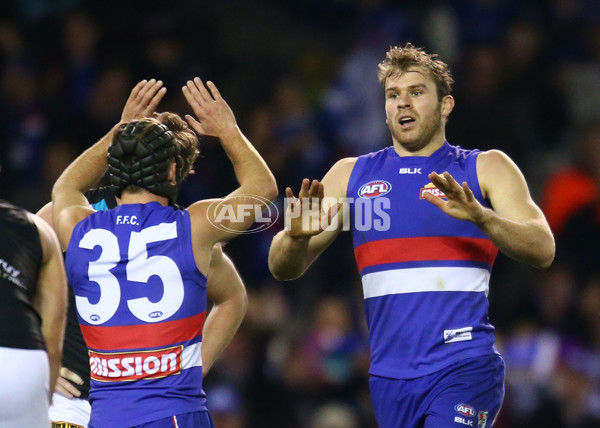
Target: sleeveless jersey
(425, 275)
(20, 260)
(141, 303)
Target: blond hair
(401, 58)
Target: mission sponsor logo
(430, 188)
(374, 188)
(128, 366)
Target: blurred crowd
(301, 78)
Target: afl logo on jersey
(155, 314)
(374, 188)
(465, 409)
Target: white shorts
(25, 392)
(74, 411)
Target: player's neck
(426, 150)
(142, 197)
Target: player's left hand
(143, 100)
(66, 388)
(461, 203)
(214, 116)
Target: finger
(439, 181)
(214, 91)
(313, 193)
(66, 388)
(321, 192)
(313, 190)
(155, 101)
(193, 93)
(290, 201)
(289, 193)
(206, 96)
(468, 192)
(197, 126)
(145, 88)
(435, 200)
(72, 376)
(189, 97)
(151, 92)
(135, 91)
(63, 391)
(304, 189)
(451, 181)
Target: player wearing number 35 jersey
(138, 271)
(135, 328)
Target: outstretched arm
(515, 223)
(226, 290)
(313, 221)
(215, 118)
(50, 299)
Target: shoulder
(341, 169)
(343, 165)
(493, 164)
(336, 180)
(48, 238)
(495, 169)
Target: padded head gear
(140, 155)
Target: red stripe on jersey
(422, 249)
(143, 336)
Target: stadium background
(301, 78)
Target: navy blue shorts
(184, 420)
(468, 393)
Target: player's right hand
(305, 216)
(66, 388)
(143, 100)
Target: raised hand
(305, 216)
(143, 100)
(461, 203)
(215, 117)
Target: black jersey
(75, 353)
(20, 260)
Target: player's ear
(447, 106)
(172, 173)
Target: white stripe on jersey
(417, 280)
(192, 356)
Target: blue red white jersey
(141, 303)
(425, 275)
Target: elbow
(56, 190)
(546, 257)
(270, 189)
(281, 274)
(243, 303)
(546, 262)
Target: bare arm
(69, 204)
(50, 299)
(226, 289)
(515, 223)
(296, 247)
(215, 118)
